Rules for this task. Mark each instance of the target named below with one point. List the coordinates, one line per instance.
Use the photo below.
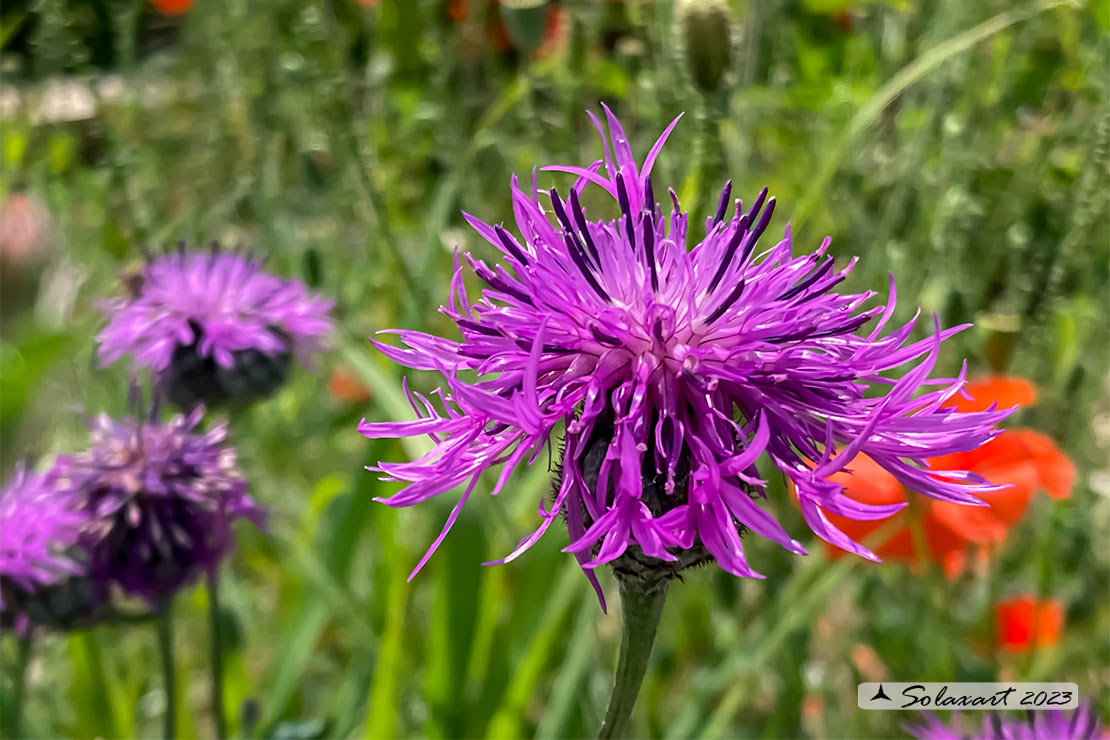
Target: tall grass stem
(215, 636)
(641, 608)
(169, 669)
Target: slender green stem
(23, 658)
(641, 607)
(215, 636)
(169, 669)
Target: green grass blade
(900, 82)
(567, 594)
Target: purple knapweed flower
(1054, 724)
(671, 370)
(42, 569)
(161, 499)
(213, 326)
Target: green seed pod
(706, 30)
(526, 23)
(998, 346)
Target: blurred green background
(961, 144)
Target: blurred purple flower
(41, 566)
(1082, 724)
(160, 498)
(673, 371)
(213, 326)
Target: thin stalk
(169, 670)
(215, 636)
(23, 659)
(915, 511)
(641, 607)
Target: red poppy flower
(865, 481)
(1025, 622)
(555, 32)
(1003, 391)
(344, 386)
(172, 7)
(556, 26)
(1025, 459)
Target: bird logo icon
(880, 694)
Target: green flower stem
(215, 637)
(641, 607)
(169, 669)
(23, 658)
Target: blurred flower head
(672, 368)
(172, 7)
(529, 26)
(999, 391)
(345, 386)
(1019, 461)
(213, 326)
(1081, 724)
(160, 500)
(42, 569)
(1026, 621)
(25, 231)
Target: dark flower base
(156, 544)
(73, 603)
(191, 379)
(633, 566)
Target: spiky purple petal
(160, 499)
(1080, 724)
(221, 302)
(40, 523)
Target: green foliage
(961, 145)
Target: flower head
(1081, 724)
(672, 367)
(213, 326)
(160, 499)
(1019, 461)
(1026, 621)
(41, 566)
(1003, 391)
(172, 7)
(345, 386)
(25, 230)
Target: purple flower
(213, 326)
(1082, 724)
(160, 499)
(41, 566)
(671, 370)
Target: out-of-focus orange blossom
(555, 32)
(172, 7)
(1003, 391)
(344, 386)
(1026, 621)
(1023, 459)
